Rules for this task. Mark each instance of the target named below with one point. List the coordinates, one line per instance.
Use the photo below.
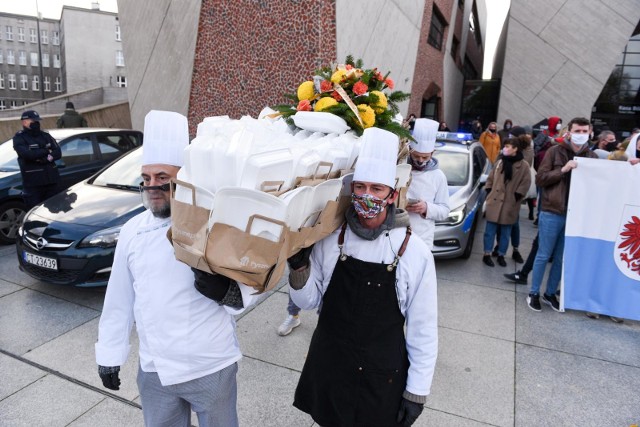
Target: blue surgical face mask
(368, 206)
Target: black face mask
(163, 187)
(34, 125)
(492, 130)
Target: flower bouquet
(352, 93)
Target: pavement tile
(29, 319)
(32, 406)
(573, 332)
(16, 375)
(472, 271)
(474, 378)
(259, 339)
(476, 309)
(265, 395)
(10, 272)
(64, 355)
(110, 413)
(88, 297)
(431, 418)
(7, 288)
(560, 389)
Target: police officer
(37, 153)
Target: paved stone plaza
(499, 364)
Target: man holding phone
(428, 194)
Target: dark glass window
(436, 31)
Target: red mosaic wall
(250, 52)
(428, 74)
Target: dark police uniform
(40, 175)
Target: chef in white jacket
(373, 279)
(428, 194)
(188, 345)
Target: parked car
(70, 238)
(465, 164)
(84, 152)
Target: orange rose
(360, 88)
(389, 83)
(379, 76)
(349, 66)
(336, 96)
(326, 86)
(304, 105)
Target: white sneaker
(287, 326)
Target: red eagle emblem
(630, 244)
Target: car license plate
(41, 261)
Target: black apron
(356, 368)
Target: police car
(466, 166)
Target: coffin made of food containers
(245, 235)
(248, 235)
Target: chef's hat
(166, 135)
(424, 133)
(377, 158)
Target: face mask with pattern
(367, 206)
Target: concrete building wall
(386, 36)
(159, 39)
(559, 55)
(452, 77)
(90, 46)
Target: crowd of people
(550, 158)
(373, 282)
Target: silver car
(466, 166)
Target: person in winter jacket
(71, 118)
(554, 179)
(37, 152)
(375, 281)
(491, 142)
(546, 138)
(506, 186)
(428, 193)
(505, 131)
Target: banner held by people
(602, 244)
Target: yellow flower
(367, 115)
(325, 102)
(306, 91)
(381, 105)
(336, 78)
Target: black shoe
(501, 261)
(495, 252)
(530, 216)
(552, 301)
(517, 277)
(535, 222)
(517, 257)
(488, 261)
(533, 302)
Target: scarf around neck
(396, 218)
(507, 162)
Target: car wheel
(472, 234)
(11, 216)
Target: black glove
(488, 190)
(301, 259)
(409, 412)
(518, 196)
(213, 286)
(109, 376)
